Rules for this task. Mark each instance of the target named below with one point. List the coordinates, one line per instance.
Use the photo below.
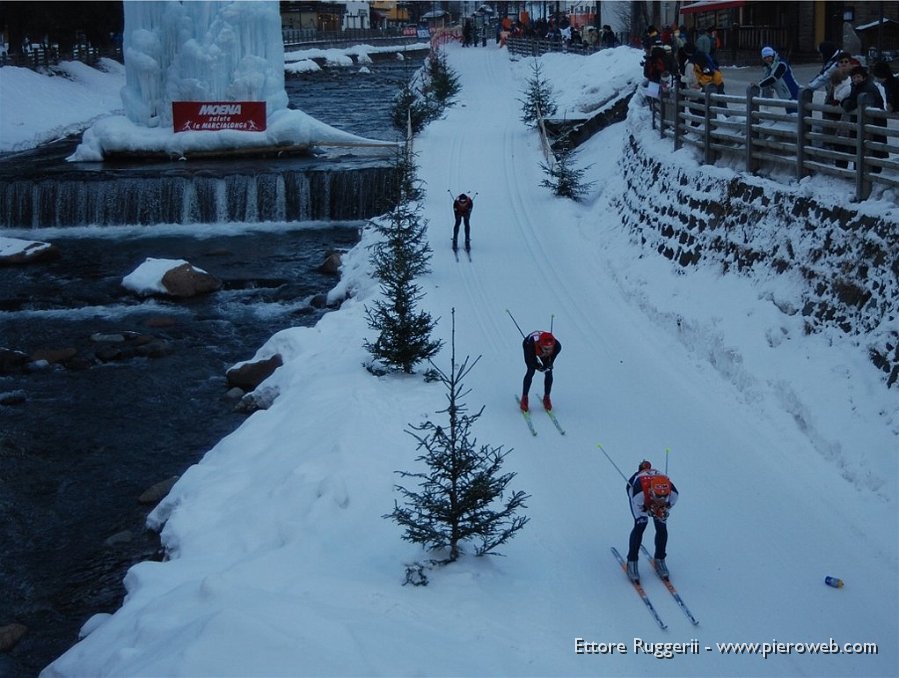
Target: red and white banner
(203, 116)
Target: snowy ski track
(517, 260)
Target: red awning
(710, 5)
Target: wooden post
(751, 106)
(677, 111)
(862, 187)
(662, 111)
(805, 100)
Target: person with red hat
(651, 494)
(540, 351)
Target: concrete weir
(39, 189)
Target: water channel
(85, 443)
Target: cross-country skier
(540, 352)
(462, 207)
(651, 493)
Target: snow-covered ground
(783, 447)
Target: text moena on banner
(212, 116)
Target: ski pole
(516, 323)
(667, 450)
(551, 318)
(612, 462)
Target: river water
(75, 456)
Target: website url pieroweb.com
(668, 650)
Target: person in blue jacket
(779, 77)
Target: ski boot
(524, 403)
(661, 568)
(632, 572)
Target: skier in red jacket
(540, 351)
(462, 207)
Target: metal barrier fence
(802, 136)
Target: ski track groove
(534, 237)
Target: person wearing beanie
(778, 77)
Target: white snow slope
(783, 447)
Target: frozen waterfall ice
(200, 51)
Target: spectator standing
(659, 67)
(707, 43)
(834, 77)
(678, 38)
(779, 77)
(649, 38)
(832, 57)
(701, 72)
(863, 84)
(607, 38)
(467, 33)
(890, 83)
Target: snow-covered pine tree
(563, 177)
(461, 495)
(401, 255)
(538, 98)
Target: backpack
(655, 486)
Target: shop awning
(710, 5)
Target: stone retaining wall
(849, 259)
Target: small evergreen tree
(398, 258)
(444, 82)
(460, 497)
(538, 102)
(563, 177)
(418, 104)
(410, 106)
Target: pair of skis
(467, 251)
(530, 422)
(638, 587)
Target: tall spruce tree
(398, 258)
(461, 495)
(538, 99)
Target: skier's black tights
(637, 538)
(529, 376)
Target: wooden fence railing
(534, 47)
(801, 136)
